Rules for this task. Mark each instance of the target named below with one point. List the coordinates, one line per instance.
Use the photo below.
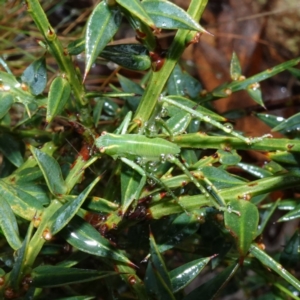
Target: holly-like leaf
(21, 202)
(243, 227)
(158, 280)
(35, 76)
(229, 158)
(59, 94)
(289, 124)
(86, 238)
(129, 56)
(8, 225)
(101, 27)
(65, 213)
(221, 178)
(135, 7)
(183, 275)
(167, 15)
(51, 171)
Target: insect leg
(210, 190)
(144, 175)
(164, 186)
(124, 125)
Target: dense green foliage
(133, 193)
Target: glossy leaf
(162, 286)
(97, 111)
(65, 213)
(22, 203)
(270, 263)
(16, 274)
(11, 149)
(183, 275)
(131, 186)
(8, 225)
(254, 170)
(255, 93)
(192, 86)
(38, 191)
(181, 83)
(221, 178)
(35, 76)
(289, 124)
(101, 27)
(59, 94)
(270, 120)
(293, 214)
(210, 289)
(129, 56)
(244, 227)
(86, 238)
(167, 15)
(24, 175)
(110, 107)
(51, 171)
(235, 67)
(76, 173)
(178, 123)
(175, 84)
(137, 10)
(6, 101)
(158, 262)
(50, 276)
(29, 170)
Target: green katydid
(130, 147)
